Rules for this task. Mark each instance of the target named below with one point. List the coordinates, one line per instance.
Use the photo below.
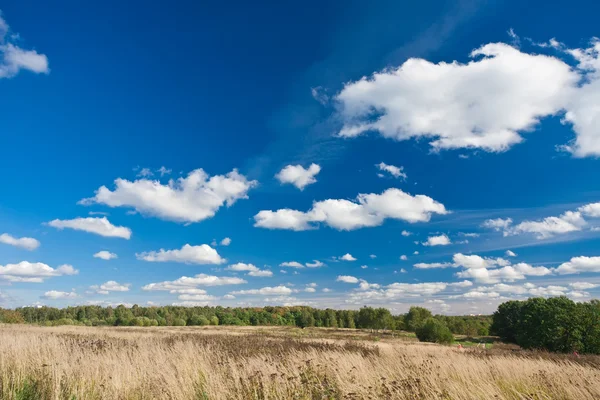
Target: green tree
(434, 331)
(416, 317)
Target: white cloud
(396, 172)
(373, 256)
(266, 291)
(347, 257)
(242, 267)
(450, 103)
(416, 253)
(145, 173)
(291, 264)
(310, 290)
(188, 291)
(110, 286)
(364, 285)
(433, 265)
(26, 271)
(163, 171)
(196, 297)
(498, 224)
(406, 233)
(510, 253)
(105, 255)
(99, 226)
(396, 291)
(202, 254)
(226, 242)
(367, 211)
(475, 262)
(24, 242)
(298, 176)
(315, 264)
(578, 265)
(568, 222)
(583, 285)
(191, 282)
(252, 270)
(14, 59)
(472, 235)
(190, 303)
(229, 297)
(403, 257)
(326, 290)
(54, 295)
(441, 240)
(188, 199)
(364, 266)
(319, 94)
(508, 273)
(591, 210)
(347, 279)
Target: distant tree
(434, 331)
(416, 317)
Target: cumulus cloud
(188, 199)
(55, 295)
(568, 222)
(441, 240)
(13, 58)
(266, 291)
(105, 255)
(433, 265)
(583, 285)
(590, 210)
(291, 264)
(26, 271)
(403, 257)
(579, 265)
(406, 233)
(510, 253)
(110, 286)
(99, 226)
(226, 242)
(298, 176)
(396, 172)
(498, 224)
(396, 291)
(449, 103)
(347, 279)
(186, 282)
(509, 273)
(202, 254)
(367, 211)
(347, 257)
(252, 270)
(26, 243)
(315, 264)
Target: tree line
(555, 324)
(299, 316)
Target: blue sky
(449, 133)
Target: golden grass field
(273, 363)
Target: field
(274, 363)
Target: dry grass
(250, 363)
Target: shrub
(434, 331)
(178, 322)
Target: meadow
(221, 362)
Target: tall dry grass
(188, 363)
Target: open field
(274, 363)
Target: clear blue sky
(445, 132)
